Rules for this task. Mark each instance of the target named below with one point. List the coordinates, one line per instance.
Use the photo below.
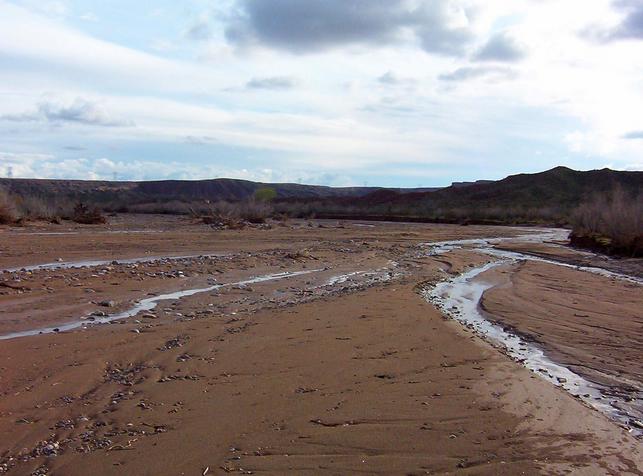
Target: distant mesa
(467, 184)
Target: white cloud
(79, 111)
(501, 48)
(474, 72)
(51, 8)
(76, 56)
(34, 165)
(405, 109)
(273, 82)
(89, 16)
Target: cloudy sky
(334, 92)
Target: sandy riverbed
(342, 369)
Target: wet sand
(306, 375)
(591, 323)
(564, 254)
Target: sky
(400, 93)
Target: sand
(289, 376)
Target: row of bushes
(427, 213)
(14, 209)
(612, 223)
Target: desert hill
(545, 197)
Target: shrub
(265, 194)
(255, 212)
(613, 222)
(234, 214)
(36, 208)
(8, 212)
(87, 215)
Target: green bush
(265, 194)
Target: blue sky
(334, 92)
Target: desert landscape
(321, 237)
(315, 346)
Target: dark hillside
(548, 197)
(560, 186)
(233, 189)
(103, 192)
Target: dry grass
(613, 222)
(36, 208)
(18, 209)
(8, 213)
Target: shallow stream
(460, 297)
(150, 303)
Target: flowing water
(96, 263)
(459, 298)
(150, 303)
